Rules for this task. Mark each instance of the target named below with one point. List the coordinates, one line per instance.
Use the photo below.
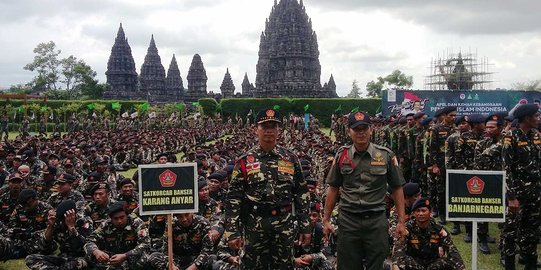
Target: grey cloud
(461, 17)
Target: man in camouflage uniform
(128, 194)
(427, 245)
(65, 192)
(436, 158)
(267, 195)
(488, 151)
(521, 160)
(45, 185)
(465, 150)
(412, 193)
(120, 242)
(98, 208)
(311, 257)
(192, 244)
(67, 231)
(405, 150)
(421, 154)
(208, 207)
(8, 198)
(29, 217)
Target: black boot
(509, 262)
(456, 228)
(483, 247)
(531, 263)
(467, 238)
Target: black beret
(268, 115)
(229, 169)
(358, 118)
(199, 163)
(50, 170)
(125, 181)
(495, 117)
(315, 206)
(163, 154)
(476, 118)
(116, 207)
(222, 174)
(14, 177)
(421, 202)
(99, 186)
(411, 189)
(448, 109)
(418, 115)
(63, 208)
(94, 177)
(66, 178)
(305, 173)
(202, 184)
(28, 153)
(525, 110)
(426, 121)
(201, 156)
(311, 181)
(25, 195)
(461, 119)
(53, 155)
(100, 160)
(410, 114)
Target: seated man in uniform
(427, 245)
(120, 242)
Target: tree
(355, 90)
(77, 75)
(534, 85)
(46, 64)
(396, 79)
(374, 87)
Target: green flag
(116, 105)
(339, 109)
(20, 109)
(276, 107)
(219, 107)
(180, 106)
(356, 109)
(196, 104)
(90, 106)
(306, 107)
(43, 108)
(144, 107)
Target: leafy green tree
(77, 75)
(396, 79)
(374, 87)
(46, 64)
(355, 90)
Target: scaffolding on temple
(459, 71)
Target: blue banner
(396, 102)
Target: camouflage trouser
(523, 226)
(6, 248)
(268, 242)
(406, 169)
(319, 262)
(50, 262)
(409, 263)
(132, 263)
(221, 265)
(423, 182)
(436, 185)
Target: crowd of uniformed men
(64, 205)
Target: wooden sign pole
(170, 240)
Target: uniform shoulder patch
(443, 233)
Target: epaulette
(381, 147)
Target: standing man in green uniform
(362, 172)
(267, 195)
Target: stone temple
(288, 66)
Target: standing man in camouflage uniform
(436, 158)
(266, 196)
(488, 152)
(361, 173)
(521, 160)
(427, 245)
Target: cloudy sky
(358, 39)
